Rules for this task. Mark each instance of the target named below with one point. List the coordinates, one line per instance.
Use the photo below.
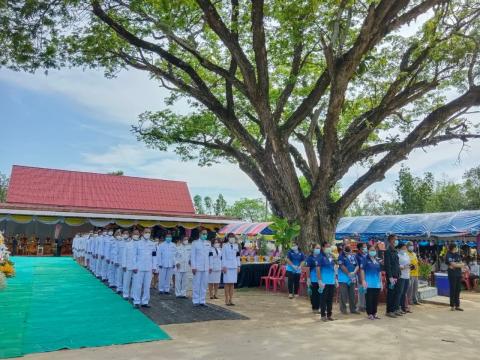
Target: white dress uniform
(119, 275)
(106, 254)
(74, 247)
(231, 261)
(128, 265)
(199, 260)
(91, 259)
(215, 265)
(99, 253)
(81, 248)
(144, 263)
(112, 268)
(166, 264)
(182, 269)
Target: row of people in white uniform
(127, 263)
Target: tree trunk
(315, 229)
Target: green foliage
(116, 173)
(285, 231)
(471, 187)
(207, 200)
(220, 205)
(372, 204)
(424, 269)
(4, 180)
(198, 204)
(414, 192)
(253, 210)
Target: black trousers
(326, 300)
(371, 300)
(455, 287)
(293, 282)
(315, 297)
(392, 295)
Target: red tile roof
(74, 189)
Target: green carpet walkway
(53, 303)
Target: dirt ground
(280, 328)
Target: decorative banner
(21, 219)
(75, 221)
(168, 224)
(100, 222)
(125, 223)
(48, 220)
(210, 227)
(190, 225)
(147, 223)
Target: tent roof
(435, 224)
(84, 190)
(247, 228)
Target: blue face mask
(203, 237)
(168, 239)
(372, 253)
(316, 252)
(395, 243)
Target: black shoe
(458, 308)
(196, 305)
(146, 306)
(391, 315)
(203, 304)
(136, 306)
(160, 293)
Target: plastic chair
(272, 272)
(466, 280)
(279, 281)
(303, 281)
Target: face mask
(217, 245)
(104, 233)
(403, 252)
(168, 239)
(328, 251)
(364, 250)
(372, 253)
(410, 248)
(347, 250)
(125, 236)
(118, 237)
(185, 242)
(203, 237)
(395, 243)
(295, 248)
(135, 237)
(146, 236)
(316, 251)
(231, 240)
(110, 233)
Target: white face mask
(125, 236)
(217, 245)
(231, 240)
(147, 236)
(185, 242)
(110, 233)
(295, 248)
(104, 233)
(118, 237)
(135, 237)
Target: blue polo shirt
(296, 258)
(350, 262)
(312, 263)
(372, 273)
(327, 269)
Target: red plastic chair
(466, 280)
(279, 280)
(272, 272)
(303, 281)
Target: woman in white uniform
(215, 272)
(230, 267)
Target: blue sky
(79, 120)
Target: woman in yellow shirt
(412, 293)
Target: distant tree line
(253, 210)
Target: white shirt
(182, 257)
(216, 259)
(121, 251)
(404, 260)
(200, 254)
(114, 250)
(166, 254)
(230, 256)
(128, 259)
(144, 250)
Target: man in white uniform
(199, 261)
(99, 251)
(144, 266)
(166, 263)
(112, 269)
(107, 236)
(182, 268)
(128, 263)
(121, 250)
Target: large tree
(284, 89)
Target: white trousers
(200, 285)
(98, 267)
(105, 267)
(181, 281)
(92, 263)
(165, 279)
(127, 284)
(119, 278)
(112, 271)
(141, 287)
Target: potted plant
(285, 232)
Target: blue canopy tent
(439, 225)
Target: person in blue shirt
(347, 279)
(362, 253)
(295, 259)
(371, 281)
(326, 281)
(312, 281)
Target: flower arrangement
(6, 266)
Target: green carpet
(53, 303)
